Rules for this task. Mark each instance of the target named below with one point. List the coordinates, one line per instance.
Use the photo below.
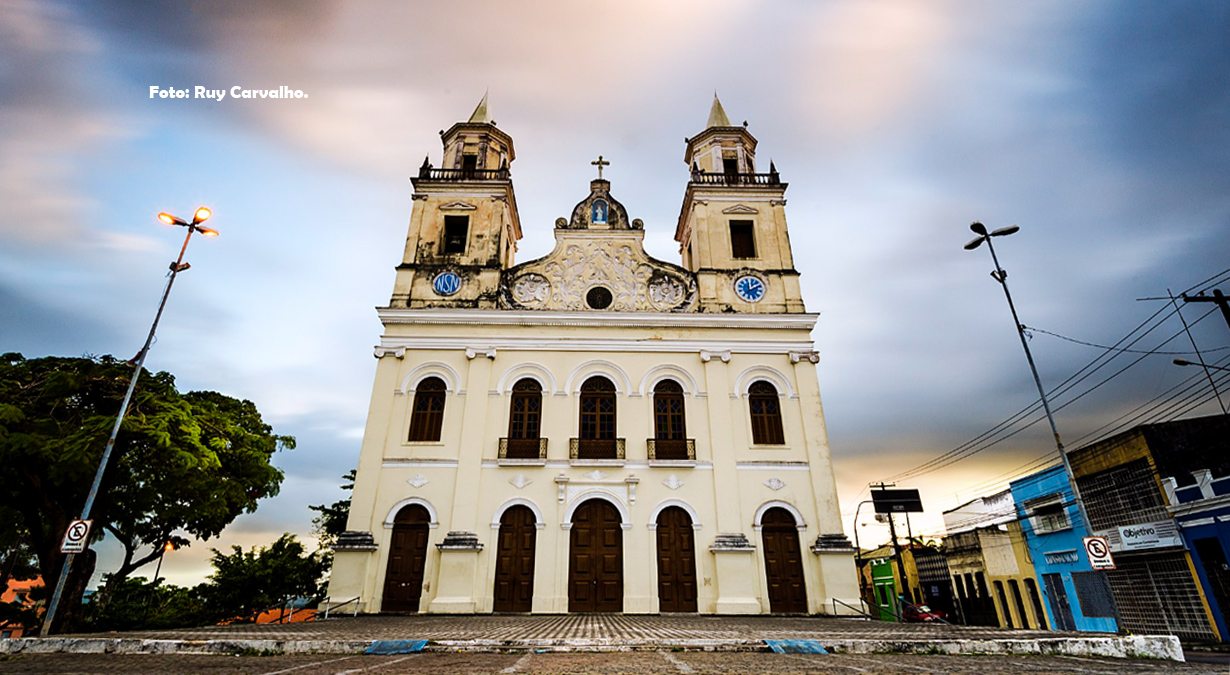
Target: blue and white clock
(749, 288)
(446, 283)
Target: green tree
(331, 521)
(245, 583)
(138, 603)
(185, 463)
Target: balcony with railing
(702, 177)
(596, 449)
(428, 173)
(671, 451)
(523, 450)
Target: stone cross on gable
(600, 163)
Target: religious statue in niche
(598, 211)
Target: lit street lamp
(1002, 277)
(201, 215)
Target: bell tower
(732, 225)
(464, 225)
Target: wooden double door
(783, 563)
(403, 578)
(596, 559)
(676, 561)
(514, 562)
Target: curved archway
(452, 380)
(679, 503)
(617, 375)
(668, 371)
(531, 370)
(518, 501)
(758, 519)
(433, 518)
(744, 380)
(597, 493)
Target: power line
(1030, 329)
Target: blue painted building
(1201, 507)
(1075, 596)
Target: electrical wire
(1030, 329)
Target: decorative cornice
(495, 317)
(811, 356)
(721, 350)
(706, 355)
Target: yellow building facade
(595, 430)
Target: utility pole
(892, 531)
(1218, 298)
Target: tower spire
(717, 115)
(480, 113)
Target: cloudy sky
(1101, 128)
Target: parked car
(921, 613)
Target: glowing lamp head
(169, 219)
(202, 214)
(206, 231)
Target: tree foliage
(183, 463)
(331, 521)
(245, 583)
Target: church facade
(595, 430)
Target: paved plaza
(590, 633)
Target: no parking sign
(75, 537)
(1098, 550)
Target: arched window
(669, 427)
(597, 425)
(427, 413)
(525, 420)
(766, 414)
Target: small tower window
(456, 232)
(730, 166)
(469, 164)
(742, 239)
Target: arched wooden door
(783, 563)
(676, 561)
(596, 559)
(403, 580)
(514, 561)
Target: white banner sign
(1161, 534)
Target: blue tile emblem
(749, 288)
(446, 283)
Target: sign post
(75, 537)
(1098, 550)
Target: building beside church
(596, 430)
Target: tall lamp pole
(1002, 277)
(201, 215)
(858, 553)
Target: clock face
(749, 288)
(446, 283)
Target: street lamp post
(858, 553)
(1002, 277)
(201, 215)
(1185, 362)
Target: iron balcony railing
(429, 173)
(594, 448)
(705, 178)
(662, 448)
(523, 448)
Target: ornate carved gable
(599, 263)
